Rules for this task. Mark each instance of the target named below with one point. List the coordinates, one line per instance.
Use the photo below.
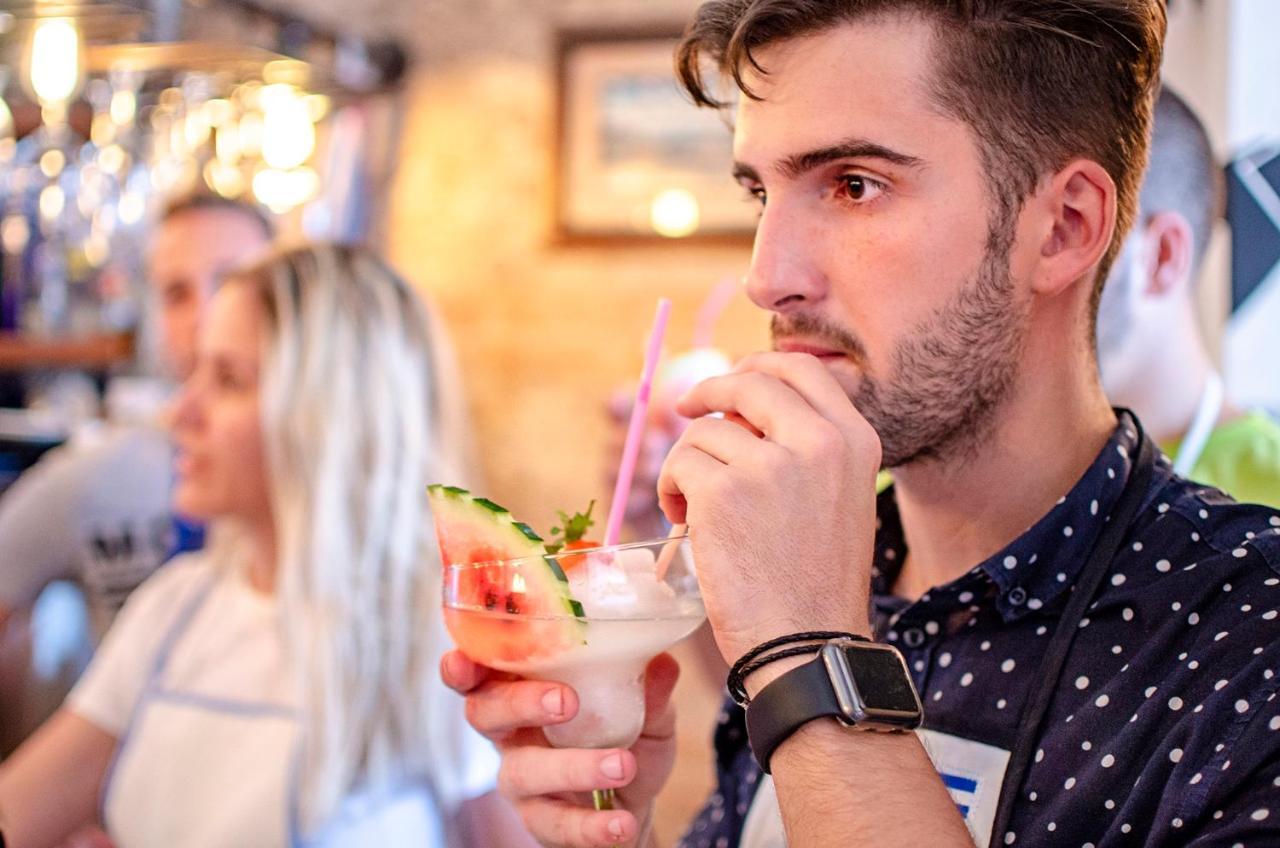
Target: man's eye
(860, 188)
(757, 194)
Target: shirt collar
(1033, 570)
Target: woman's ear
(1079, 204)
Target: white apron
(191, 771)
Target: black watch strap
(861, 684)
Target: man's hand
(551, 788)
(779, 496)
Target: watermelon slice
(501, 616)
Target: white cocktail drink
(630, 615)
(607, 672)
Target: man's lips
(795, 346)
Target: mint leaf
(575, 527)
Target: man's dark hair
(204, 201)
(1183, 176)
(1039, 81)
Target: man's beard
(949, 375)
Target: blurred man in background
(1153, 357)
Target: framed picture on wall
(636, 161)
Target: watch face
(882, 681)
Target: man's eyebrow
(793, 166)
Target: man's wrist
(767, 673)
(763, 676)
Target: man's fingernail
(615, 828)
(611, 767)
(553, 702)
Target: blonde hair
(355, 424)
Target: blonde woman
(280, 688)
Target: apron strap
(1100, 559)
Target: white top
(96, 513)
(231, 652)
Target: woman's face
(221, 466)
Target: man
(1152, 355)
(944, 186)
(101, 515)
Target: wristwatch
(863, 685)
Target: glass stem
(603, 798)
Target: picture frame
(635, 161)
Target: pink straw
(717, 299)
(635, 429)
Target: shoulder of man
(1210, 518)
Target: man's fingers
(806, 375)
(461, 674)
(659, 682)
(502, 706)
(559, 823)
(768, 404)
(721, 439)
(684, 464)
(530, 772)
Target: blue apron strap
(161, 660)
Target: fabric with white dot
(1165, 726)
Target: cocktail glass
(636, 601)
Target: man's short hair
(1039, 81)
(1183, 176)
(204, 201)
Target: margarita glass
(625, 604)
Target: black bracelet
(753, 661)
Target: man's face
(189, 254)
(875, 249)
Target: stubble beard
(950, 375)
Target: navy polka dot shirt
(1165, 727)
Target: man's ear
(1079, 203)
(1168, 259)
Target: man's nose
(785, 272)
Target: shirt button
(1017, 596)
(913, 638)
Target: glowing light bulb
(52, 162)
(226, 180)
(52, 201)
(281, 191)
(674, 213)
(55, 60)
(124, 107)
(288, 136)
(132, 207)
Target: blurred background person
(282, 682)
(1153, 357)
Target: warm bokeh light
(281, 191)
(227, 180)
(288, 136)
(124, 107)
(52, 201)
(55, 60)
(674, 213)
(52, 162)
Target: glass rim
(531, 558)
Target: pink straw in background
(635, 429)
(709, 313)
